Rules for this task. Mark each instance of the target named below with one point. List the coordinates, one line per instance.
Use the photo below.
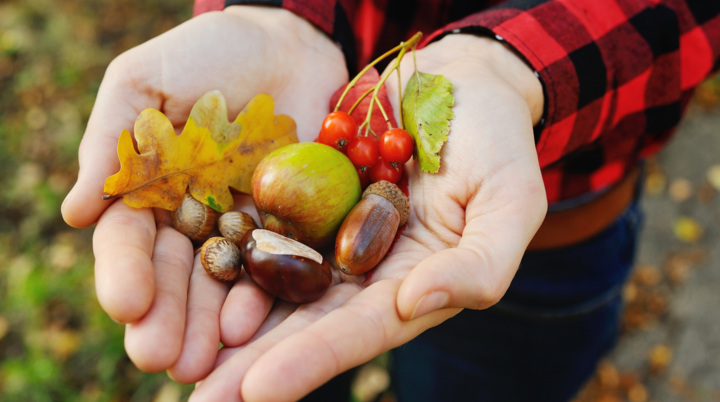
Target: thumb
(122, 95)
(475, 274)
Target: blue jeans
(542, 341)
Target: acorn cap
(392, 193)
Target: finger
(364, 327)
(280, 311)
(202, 328)
(244, 310)
(125, 91)
(154, 342)
(477, 272)
(224, 382)
(124, 275)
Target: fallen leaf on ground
(4, 327)
(713, 177)
(680, 190)
(659, 358)
(687, 230)
(648, 275)
(705, 193)
(655, 183)
(210, 156)
(608, 375)
(707, 96)
(169, 392)
(370, 381)
(638, 393)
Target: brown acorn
(234, 224)
(368, 230)
(194, 219)
(221, 259)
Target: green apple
(303, 191)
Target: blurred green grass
(56, 344)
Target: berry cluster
(375, 159)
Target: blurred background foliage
(56, 344)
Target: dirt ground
(670, 348)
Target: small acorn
(284, 267)
(368, 230)
(234, 224)
(194, 219)
(221, 259)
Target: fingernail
(429, 303)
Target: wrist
(503, 62)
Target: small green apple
(304, 191)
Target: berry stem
(400, 96)
(402, 46)
(382, 110)
(383, 78)
(357, 102)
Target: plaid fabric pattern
(617, 74)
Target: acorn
(368, 231)
(285, 268)
(234, 224)
(221, 259)
(194, 219)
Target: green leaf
(426, 108)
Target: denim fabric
(542, 341)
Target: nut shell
(392, 193)
(221, 259)
(194, 219)
(291, 277)
(234, 224)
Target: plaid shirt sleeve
(617, 76)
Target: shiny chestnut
(284, 267)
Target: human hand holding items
(468, 228)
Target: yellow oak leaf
(209, 156)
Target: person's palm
(145, 273)
(469, 226)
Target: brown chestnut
(284, 267)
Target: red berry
(364, 175)
(337, 130)
(363, 151)
(383, 170)
(396, 145)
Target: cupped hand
(469, 227)
(146, 275)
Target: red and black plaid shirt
(617, 74)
